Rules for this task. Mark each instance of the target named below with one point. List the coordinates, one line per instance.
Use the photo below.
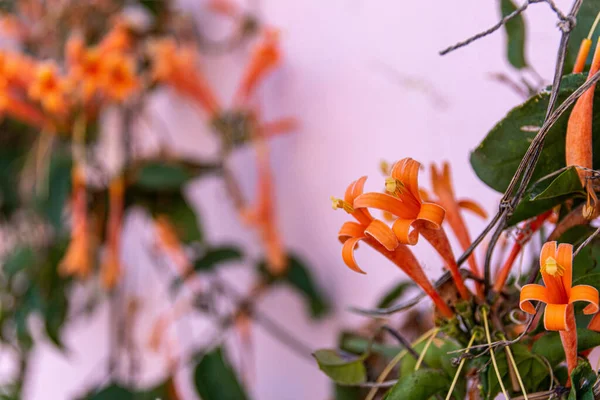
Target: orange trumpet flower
(380, 237)
(77, 259)
(526, 232)
(119, 77)
(559, 294)
(19, 109)
(178, 66)
(414, 216)
(442, 187)
(50, 89)
(168, 241)
(224, 7)
(86, 68)
(111, 268)
(265, 57)
(579, 137)
(263, 216)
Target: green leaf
(532, 369)
(434, 357)
(438, 356)
(515, 35)
(176, 208)
(544, 195)
(162, 176)
(115, 391)
(112, 392)
(496, 159)
(217, 256)
(344, 369)
(550, 347)
(51, 203)
(420, 385)
(352, 343)
(585, 18)
(18, 260)
(215, 379)
(301, 279)
(394, 294)
(348, 393)
(583, 378)
(11, 163)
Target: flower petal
(473, 207)
(555, 317)
(349, 230)
(405, 231)
(557, 292)
(433, 214)
(385, 202)
(348, 254)
(355, 189)
(595, 323)
(383, 234)
(564, 257)
(407, 171)
(585, 293)
(532, 292)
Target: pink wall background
(353, 75)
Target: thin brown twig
(586, 242)
(501, 23)
(525, 170)
(405, 343)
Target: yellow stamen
(393, 186)
(551, 267)
(339, 203)
(384, 167)
(593, 28)
(589, 209)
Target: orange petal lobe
(473, 207)
(348, 254)
(382, 233)
(555, 317)
(564, 256)
(385, 202)
(349, 230)
(433, 214)
(405, 231)
(532, 292)
(588, 294)
(407, 171)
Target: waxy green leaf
(496, 159)
(550, 347)
(420, 385)
(515, 35)
(343, 369)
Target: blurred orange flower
(265, 57)
(119, 77)
(87, 71)
(111, 268)
(77, 259)
(178, 66)
(50, 88)
(263, 216)
(169, 242)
